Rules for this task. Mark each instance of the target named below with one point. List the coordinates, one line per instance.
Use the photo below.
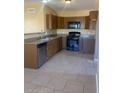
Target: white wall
(36, 22)
(33, 21)
(96, 55)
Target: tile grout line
(65, 85)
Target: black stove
(73, 41)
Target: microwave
(74, 25)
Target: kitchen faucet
(43, 33)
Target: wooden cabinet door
(50, 48)
(49, 21)
(54, 22)
(30, 56)
(54, 46)
(59, 43)
(60, 21)
(93, 15)
(88, 46)
(87, 22)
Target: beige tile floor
(66, 72)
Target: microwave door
(78, 26)
(75, 25)
(71, 26)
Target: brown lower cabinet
(30, 56)
(59, 44)
(88, 46)
(34, 55)
(54, 46)
(50, 48)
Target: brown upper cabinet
(87, 22)
(57, 22)
(93, 19)
(93, 15)
(51, 21)
(54, 22)
(60, 22)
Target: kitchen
(48, 29)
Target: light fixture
(44, 1)
(67, 1)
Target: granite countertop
(36, 38)
(39, 40)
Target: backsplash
(83, 31)
(51, 32)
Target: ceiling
(75, 5)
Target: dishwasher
(42, 54)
